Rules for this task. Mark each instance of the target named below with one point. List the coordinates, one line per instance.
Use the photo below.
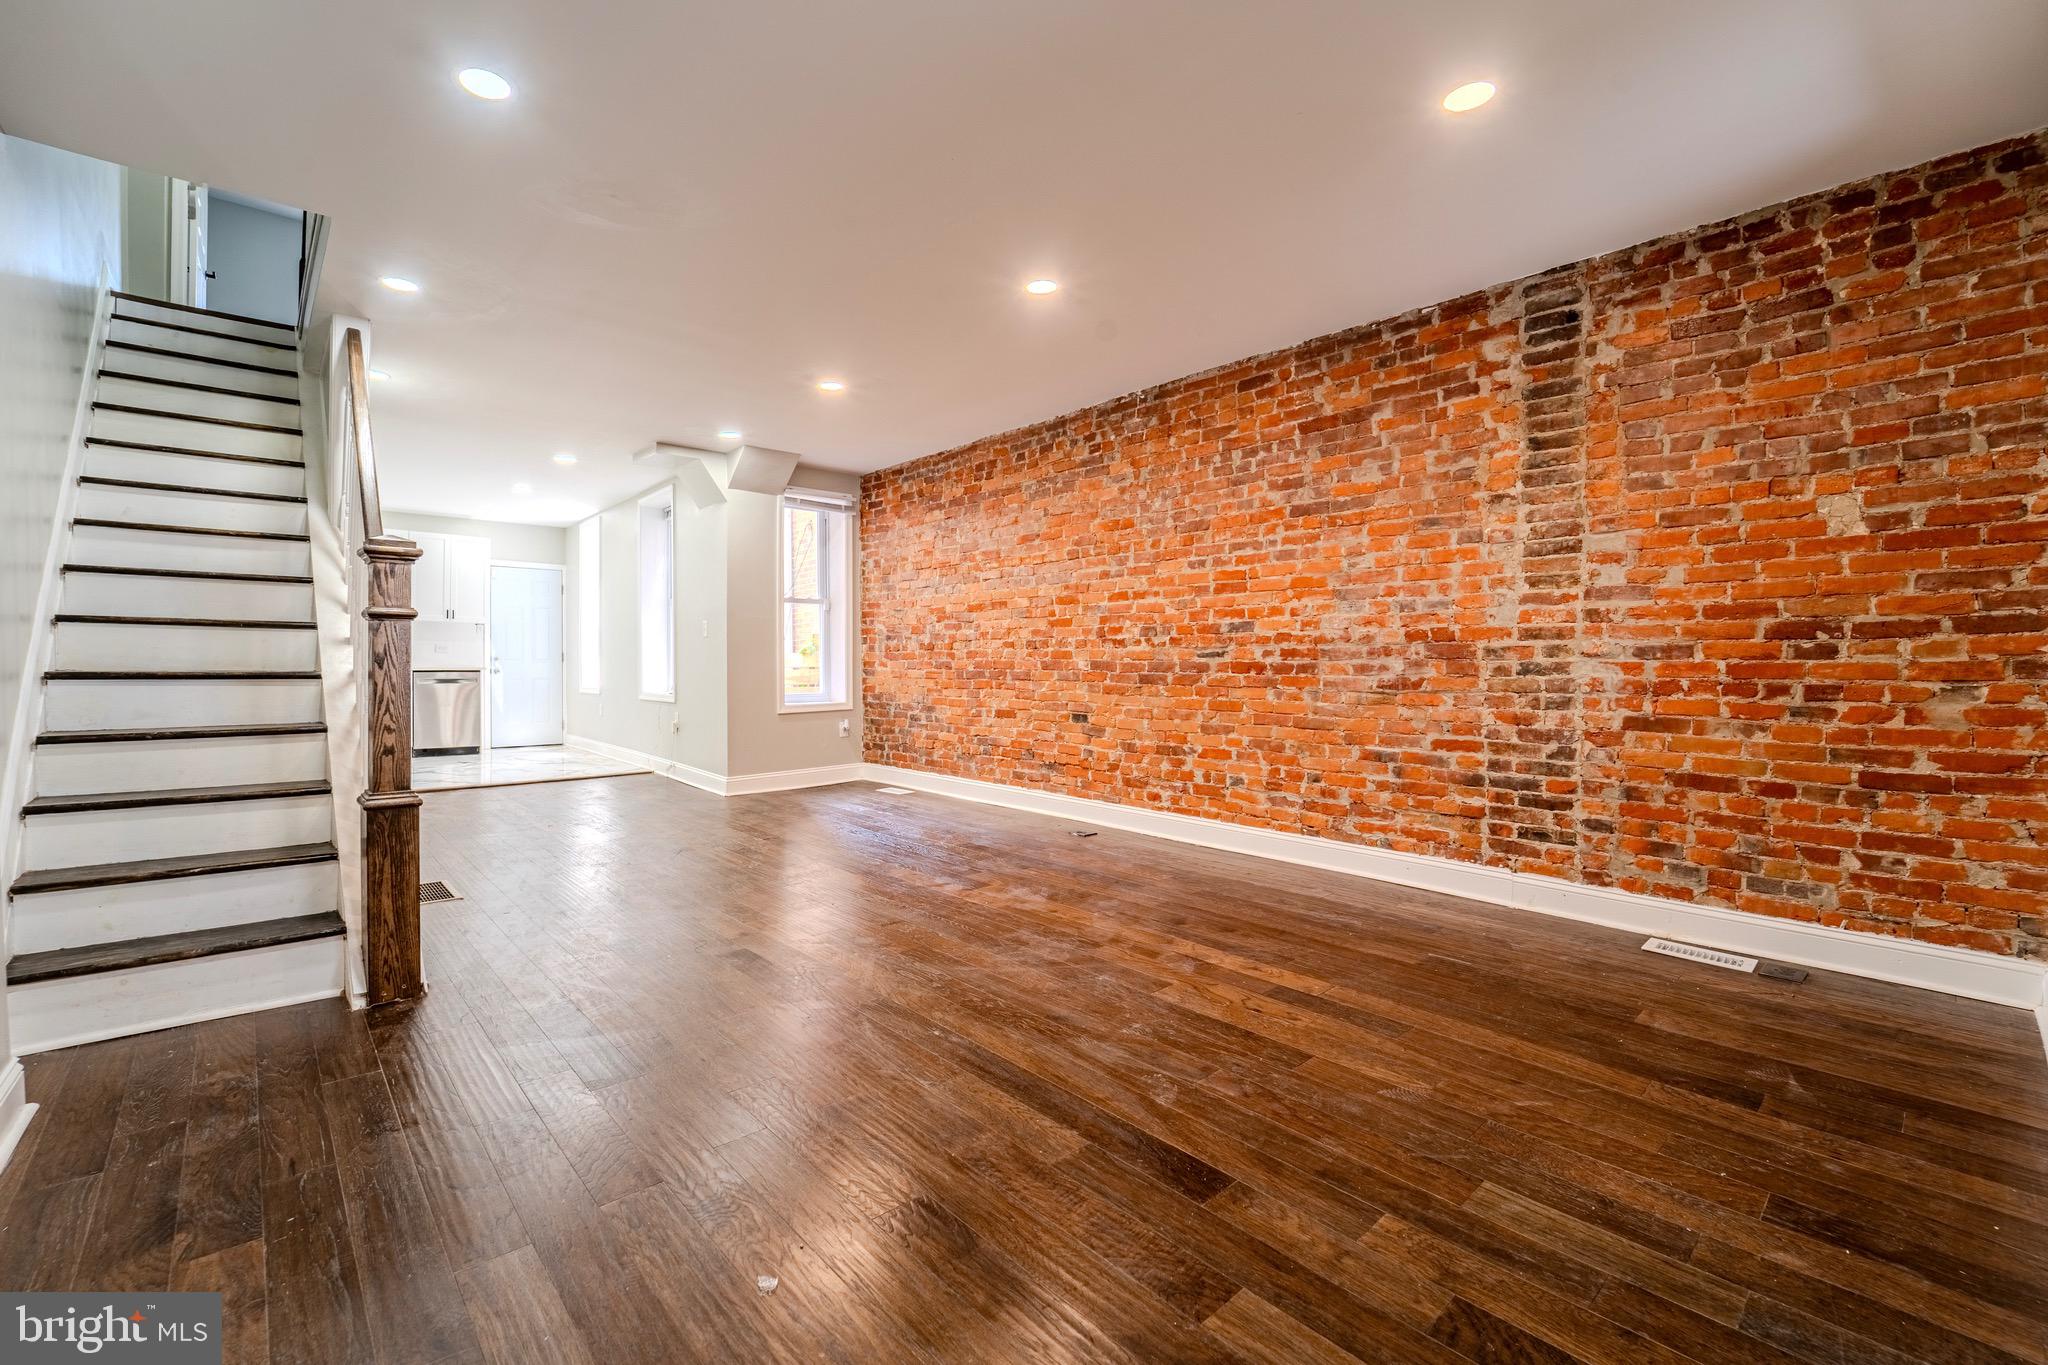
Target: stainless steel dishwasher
(447, 711)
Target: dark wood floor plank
(133, 1237)
(413, 1307)
(518, 1314)
(1263, 1335)
(237, 1275)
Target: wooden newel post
(391, 808)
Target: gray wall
(691, 730)
(60, 234)
(146, 233)
(724, 719)
(760, 738)
(254, 254)
(509, 540)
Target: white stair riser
(119, 836)
(131, 393)
(90, 645)
(111, 914)
(82, 1009)
(127, 704)
(192, 371)
(189, 509)
(98, 594)
(151, 765)
(136, 308)
(189, 435)
(154, 466)
(175, 550)
(188, 343)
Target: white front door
(526, 656)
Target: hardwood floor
(832, 1075)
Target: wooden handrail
(359, 434)
(391, 808)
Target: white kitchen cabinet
(469, 578)
(452, 577)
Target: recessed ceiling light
(398, 284)
(1469, 96)
(1041, 286)
(379, 374)
(522, 489)
(564, 457)
(832, 385)
(728, 435)
(485, 85)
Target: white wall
(60, 239)
(254, 254)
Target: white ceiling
(690, 212)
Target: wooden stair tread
(128, 378)
(174, 796)
(187, 530)
(100, 480)
(156, 449)
(155, 732)
(218, 575)
(180, 675)
(236, 422)
(163, 869)
(203, 332)
(202, 359)
(203, 312)
(75, 618)
(93, 958)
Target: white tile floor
(511, 767)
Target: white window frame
(589, 606)
(664, 499)
(835, 600)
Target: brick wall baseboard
(2010, 981)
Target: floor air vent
(430, 892)
(1692, 952)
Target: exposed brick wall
(1716, 568)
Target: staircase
(178, 856)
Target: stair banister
(391, 808)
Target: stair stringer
(336, 608)
(27, 721)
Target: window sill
(667, 697)
(799, 708)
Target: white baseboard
(793, 778)
(1956, 971)
(15, 1110)
(744, 784)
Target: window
(816, 570)
(658, 596)
(588, 653)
